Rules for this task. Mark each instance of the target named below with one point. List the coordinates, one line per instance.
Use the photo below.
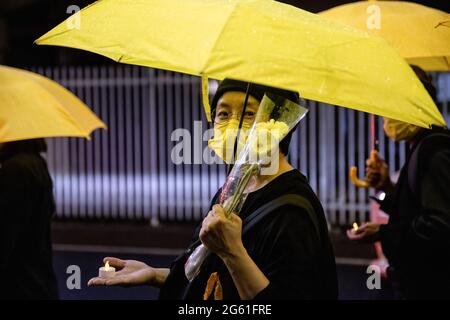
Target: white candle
(106, 272)
(355, 227)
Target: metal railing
(126, 172)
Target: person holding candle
(26, 208)
(416, 240)
(286, 255)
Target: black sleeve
(14, 186)
(290, 248)
(432, 225)
(386, 204)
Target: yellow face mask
(225, 136)
(399, 130)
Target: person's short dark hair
(24, 146)
(426, 81)
(257, 91)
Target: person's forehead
(236, 99)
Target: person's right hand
(368, 233)
(131, 273)
(377, 172)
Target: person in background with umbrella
(286, 255)
(416, 240)
(33, 107)
(26, 209)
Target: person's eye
(223, 114)
(249, 114)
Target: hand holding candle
(106, 272)
(118, 272)
(367, 232)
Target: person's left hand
(368, 232)
(220, 234)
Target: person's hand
(222, 235)
(377, 172)
(368, 232)
(131, 273)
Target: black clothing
(416, 240)
(284, 246)
(26, 208)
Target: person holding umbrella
(287, 254)
(32, 107)
(26, 209)
(416, 240)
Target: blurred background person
(416, 239)
(26, 209)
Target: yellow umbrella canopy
(417, 32)
(445, 22)
(33, 106)
(259, 41)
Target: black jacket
(26, 209)
(417, 238)
(285, 246)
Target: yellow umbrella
(416, 31)
(33, 106)
(445, 22)
(260, 41)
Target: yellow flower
(265, 137)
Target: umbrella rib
(446, 59)
(218, 37)
(44, 38)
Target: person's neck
(264, 179)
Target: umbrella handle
(355, 180)
(354, 172)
